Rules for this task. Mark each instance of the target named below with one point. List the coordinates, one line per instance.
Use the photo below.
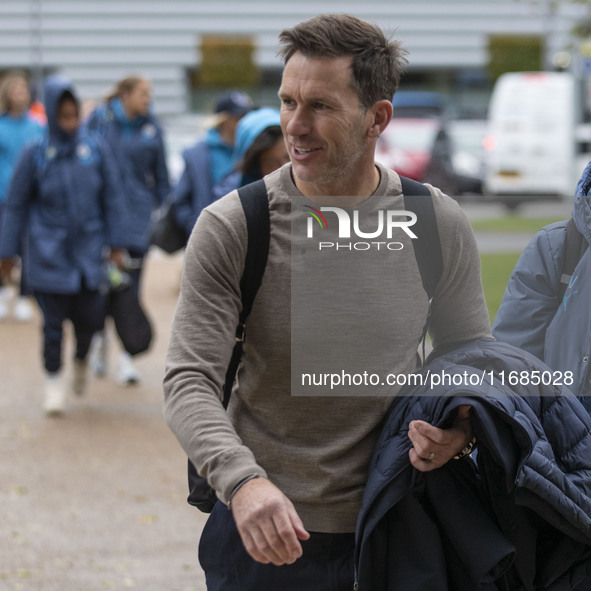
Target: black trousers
(86, 311)
(326, 564)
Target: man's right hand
(268, 523)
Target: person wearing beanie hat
(210, 159)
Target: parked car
(421, 149)
(468, 137)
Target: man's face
(323, 124)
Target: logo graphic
(149, 131)
(378, 230)
(573, 292)
(83, 152)
(316, 215)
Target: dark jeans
(326, 565)
(86, 311)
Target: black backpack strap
(574, 247)
(255, 204)
(427, 245)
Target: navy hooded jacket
(194, 190)
(522, 522)
(138, 147)
(64, 206)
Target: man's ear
(381, 113)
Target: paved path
(94, 500)
(477, 208)
(493, 242)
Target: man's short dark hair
(377, 62)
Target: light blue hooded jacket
(15, 133)
(530, 315)
(64, 206)
(248, 130)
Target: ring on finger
(431, 456)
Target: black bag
(131, 323)
(255, 204)
(167, 233)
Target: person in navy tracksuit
(136, 139)
(64, 204)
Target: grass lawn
(496, 269)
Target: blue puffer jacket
(522, 522)
(530, 315)
(64, 205)
(139, 151)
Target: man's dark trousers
(326, 564)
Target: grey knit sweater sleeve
(200, 348)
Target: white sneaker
(55, 395)
(98, 354)
(79, 376)
(23, 310)
(126, 372)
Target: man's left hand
(434, 447)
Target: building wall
(96, 42)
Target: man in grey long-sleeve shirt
(293, 468)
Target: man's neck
(341, 193)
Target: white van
(531, 147)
